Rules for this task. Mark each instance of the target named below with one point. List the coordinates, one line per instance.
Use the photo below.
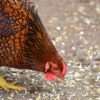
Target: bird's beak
(61, 78)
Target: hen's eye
(55, 68)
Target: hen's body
(24, 42)
(22, 36)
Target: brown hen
(24, 42)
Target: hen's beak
(61, 78)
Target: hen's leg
(7, 86)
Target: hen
(24, 43)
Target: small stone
(69, 64)
(77, 75)
(58, 28)
(98, 76)
(87, 21)
(73, 48)
(98, 9)
(81, 33)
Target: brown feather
(24, 42)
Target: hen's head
(55, 68)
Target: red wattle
(50, 76)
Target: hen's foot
(7, 86)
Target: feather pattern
(24, 33)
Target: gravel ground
(74, 27)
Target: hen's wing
(13, 29)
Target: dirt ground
(74, 27)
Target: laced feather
(26, 33)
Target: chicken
(25, 44)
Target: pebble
(74, 48)
(58, 28)
(82, 33)
(98, 8)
